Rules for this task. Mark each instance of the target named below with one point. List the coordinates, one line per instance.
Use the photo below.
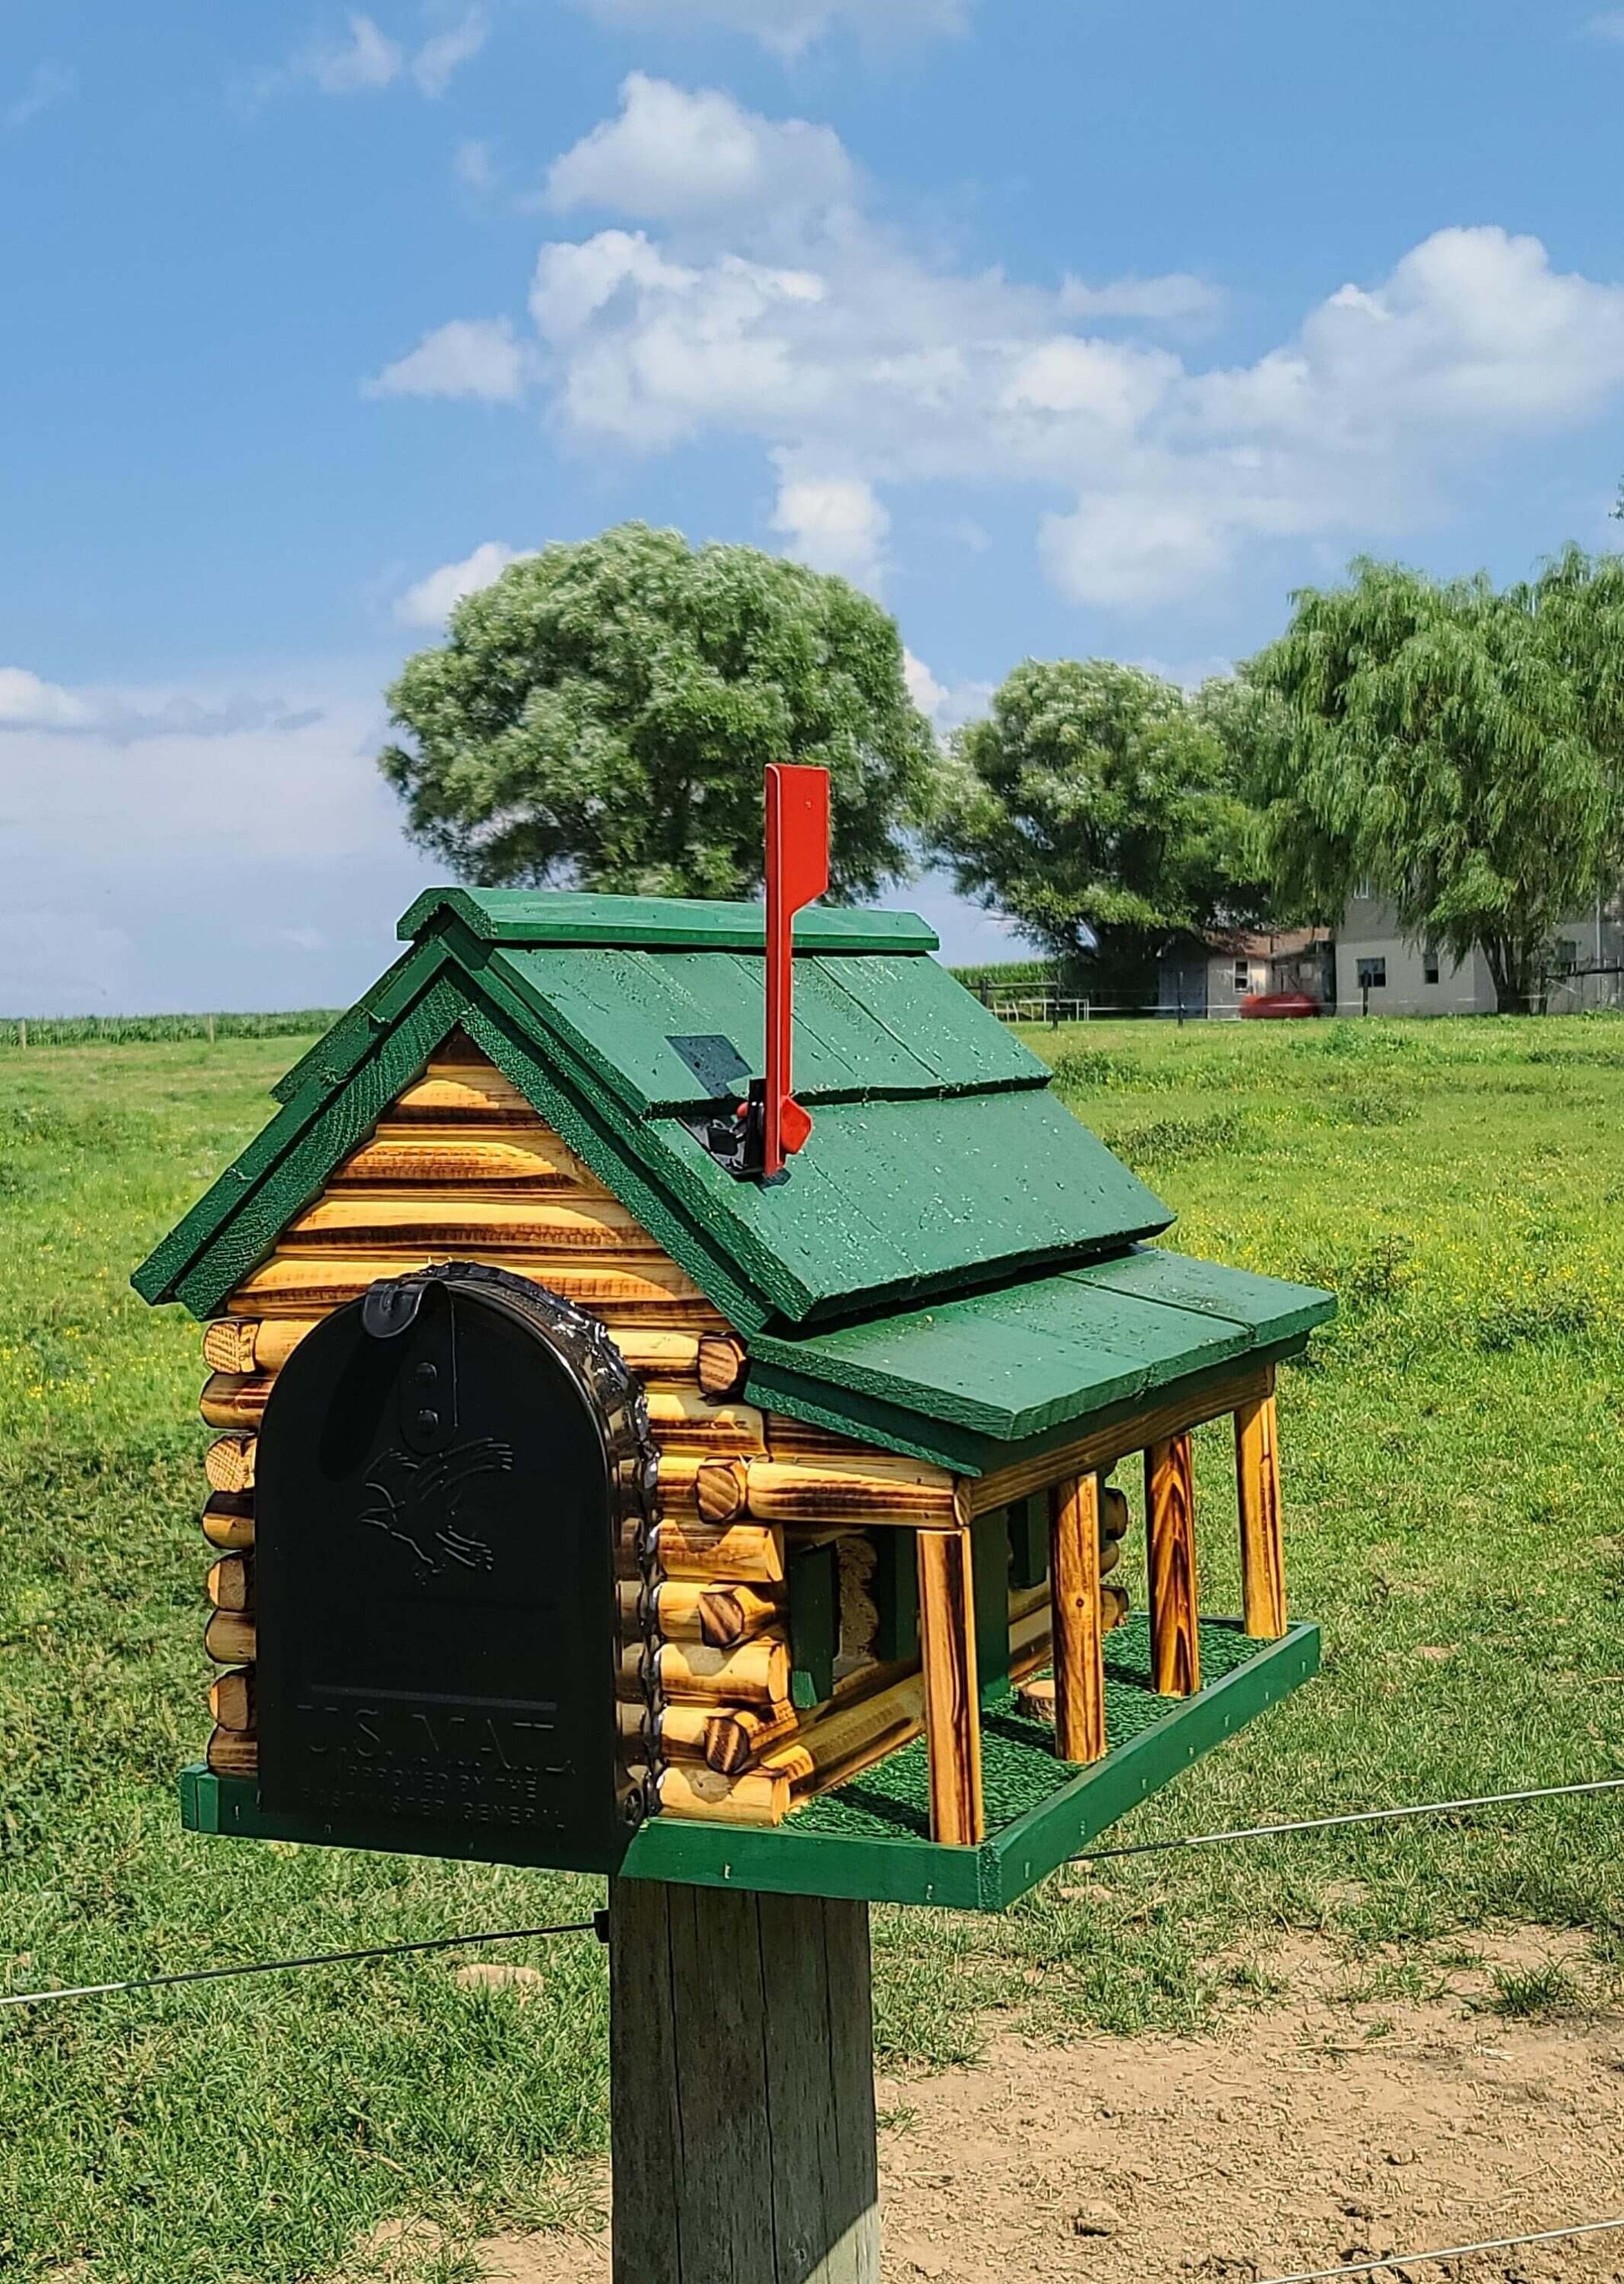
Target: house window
(1373, 974)
(1566, 955)
(1242, 976)
(1429, 967)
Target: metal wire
(1356, 1816)
(1450, 2252)
(597, 1925)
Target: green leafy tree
(1456, 749)
(1099, 809)
(600, 716)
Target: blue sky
(1069, 326)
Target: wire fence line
(1447, 2252)
(598, 1924)
(1350, 1817)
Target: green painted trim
(896, 1594)
(258, 1170)
(237, 1223)
(344, 1122)
(540, 916)
(1028, 1522)
(885, 1425)
(338, 1048)
(228, 1808)
(814, 1596)
(989, 1557)
(1036, 1843)
(781, 1861)
(918, 1437)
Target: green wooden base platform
(871, 1839)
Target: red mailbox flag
(797, 872)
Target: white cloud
(108, 821)
(47, 83)
(760, 302)
(790, 27)
(1100, 380)
(439, 58)
(669, 155)
(923, 687)
(28, 703)
(479, 357)
(367, 60)
(834, 523)
(1119, 549)
(294, 769)
(473, 166)
(943, 705)
(432, 600)
(1607, 26)
(1157, 301)
(370, 60)
(122, 716)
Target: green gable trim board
(864, 1840)
(524, 916)
(263, 1166)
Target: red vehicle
(1280, 1003)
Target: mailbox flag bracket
(767, 1129)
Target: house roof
(1278, 943)
(937, 1252)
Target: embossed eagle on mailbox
(418, 1501)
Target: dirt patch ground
(1329, 2128)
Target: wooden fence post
(1170, 1508)
(741, 2048)
(1079, 1644)
(952, 1690)
(1263, 1553)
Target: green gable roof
(938, 1159)
(953, 1266)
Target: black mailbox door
(439, 1484)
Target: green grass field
(1454, 1479)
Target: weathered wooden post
(742, 2088)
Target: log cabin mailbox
(625, 1460)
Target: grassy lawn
(1454, 1479)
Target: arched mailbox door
(443, 1469)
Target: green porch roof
(939, 1161)
(963, 1381)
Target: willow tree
(1456, 750)
(600, 716)
(1097, 807)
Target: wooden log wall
(460, 1168)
